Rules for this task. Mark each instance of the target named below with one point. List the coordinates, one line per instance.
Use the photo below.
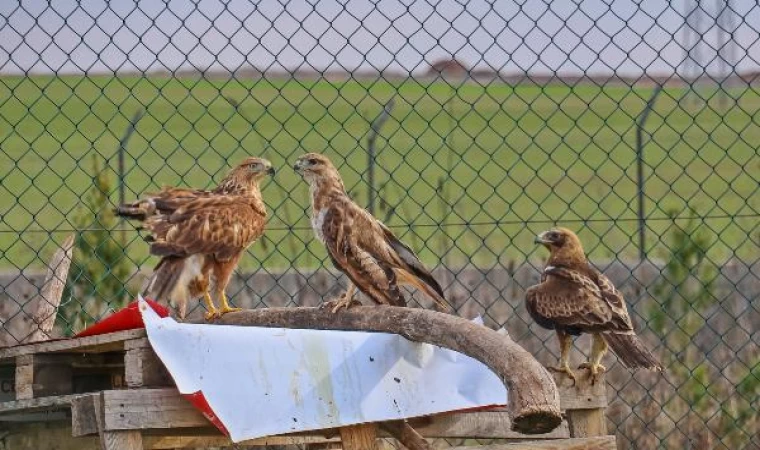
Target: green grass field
(495, 164)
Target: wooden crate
(111, 391)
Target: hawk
(199, 234)
(359, 245)
(574, 298)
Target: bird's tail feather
(139, 210)
(166, 275)
(440, 302)
(631, 351)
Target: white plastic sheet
(268, 381)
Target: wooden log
(359, 437)
(406, 435)
(43, 318)
(533, 401)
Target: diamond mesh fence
(467, 128)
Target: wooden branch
(43, 318)
(406, 435)
(533, 400)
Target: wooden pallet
(112, 392)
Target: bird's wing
(416, 273)
(165, 201)
(222, 226)
(616, 303)
(376, 280)
(569, 299)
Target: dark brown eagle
(574, 298)
(202, 234)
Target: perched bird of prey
(573, 298)
(199, 234)
(359, 245)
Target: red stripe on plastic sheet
(199, 401)
(127, 318)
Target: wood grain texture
(83, 421)
(44, 436)
(534, 403)
(121, 440)
(595, 443)
(24, 377)
(42, 319)
(587, 422)
(165, 408)
(37, 404)
(142, 368)
(406, 435)
(480, 424)
(153, 441)
(581, 394)
(90, 344)
(111, 439)
(359, 437)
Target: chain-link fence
(466, 127)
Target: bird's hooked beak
(542, 239)
(298, 166)
(271, 171)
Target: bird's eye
(313, 161)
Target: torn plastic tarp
(253, 382)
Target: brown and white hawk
(374, 259)
(202, 234)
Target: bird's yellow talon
(211, 315)
(563, 369)
(228, 309)
(593, 369)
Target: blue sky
(540, 36)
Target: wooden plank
(83, 420)
(149, 408)
(165, 408)
(44, 436)
(581, 394)
(595, 443)
(142, 368)
(406, 435)
(110, 439)
(587, 422)
(24, 377)
(151, 441)
(89, 344)
(121, 440)
(37, 404)
(7, 383)
(359, 437)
